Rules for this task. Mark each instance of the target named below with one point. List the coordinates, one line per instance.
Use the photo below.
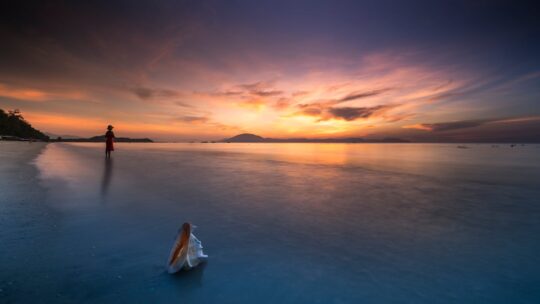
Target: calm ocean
(281, 223)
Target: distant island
(252, 138)
(101, 138)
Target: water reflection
(408, 221)
(189, 279)
(107, 173)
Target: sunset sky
(193, 70)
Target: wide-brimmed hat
(109, 127)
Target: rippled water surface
(281, 223)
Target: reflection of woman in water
(109, 139)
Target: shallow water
(282, 223)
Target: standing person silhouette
(109, 139)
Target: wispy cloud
(466, 124)
(329, 109)
(447, 126)
(193, 119)
(183, 104)
(260, 88)
(226, 93)
(39, 95)
(247, 90)
(360, 95)
(324, 113)
(146, 93)
(206, 122)
(282, 103)
(353, 113)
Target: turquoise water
(281, 223)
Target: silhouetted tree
(12, 123)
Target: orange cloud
(381, 91)
(422, 127)
(30, 94)
(519, 119)
(63, 124)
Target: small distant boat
(186, 252)
(463, 147)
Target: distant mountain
(67, 136)
(14, 127)
(245, 137)
(252, 138)
(101, 138)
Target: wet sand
(23, 219)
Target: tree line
(12, 123)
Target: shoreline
(22, 221)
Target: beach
(24, 218)
(281, 223)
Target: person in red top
(109, 139)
